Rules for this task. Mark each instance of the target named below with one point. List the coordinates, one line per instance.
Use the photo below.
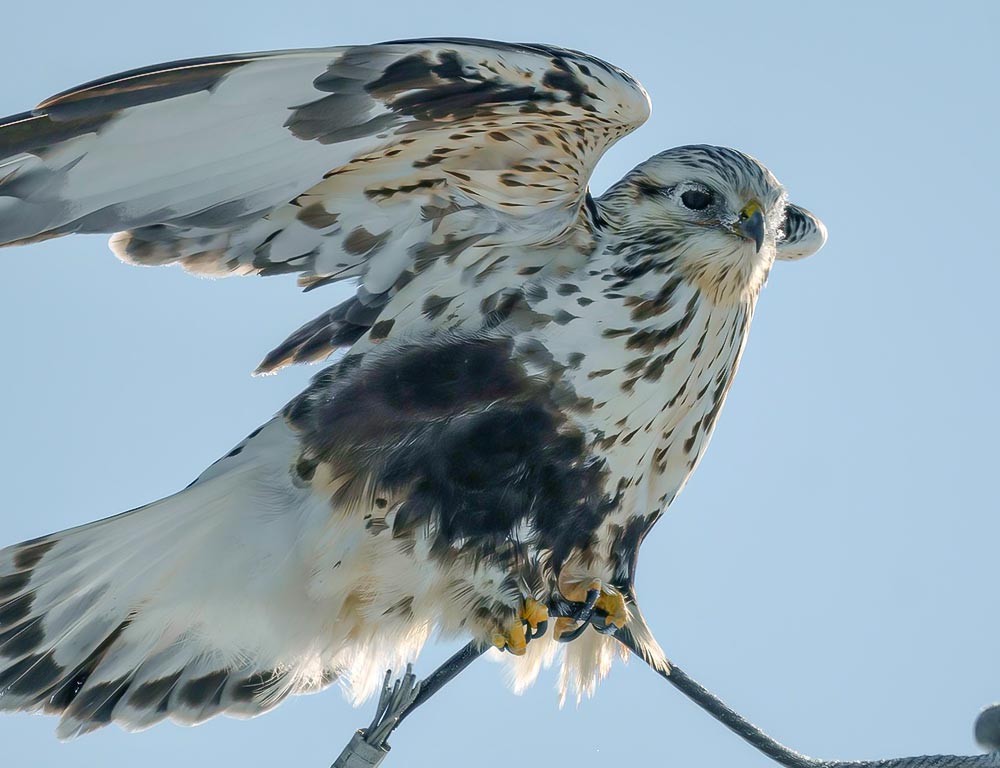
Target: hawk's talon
(607, 629)
(563, 632)
(603, 601)
(540, 629)
(612, 604)
(535, 615)
(530, 623)
(513, 639)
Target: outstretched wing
(369, 162)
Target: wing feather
(802, 234)
(367, 162)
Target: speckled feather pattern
(529, 376)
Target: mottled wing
(802, 234)
(367, 162)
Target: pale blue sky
(831, 568)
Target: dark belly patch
(478, 449)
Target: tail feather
(644, 642)
(182, 609)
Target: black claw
(583, 615)
(533, 634)
(605, 628)
(587, 611)
(569, 637)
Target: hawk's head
(715, 214)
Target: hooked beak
(751, 224)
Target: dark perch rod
(444, 675)
(399, 701)
(786, 756)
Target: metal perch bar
(368, 747)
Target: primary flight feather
(530, 376)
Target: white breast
(654, 406)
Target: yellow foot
(563, 626)
(513, 638)
(535, 615)
(610, 601)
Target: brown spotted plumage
(530, 373)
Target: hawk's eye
(697, 199)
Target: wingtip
(268, 368)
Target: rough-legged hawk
(530, 375)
